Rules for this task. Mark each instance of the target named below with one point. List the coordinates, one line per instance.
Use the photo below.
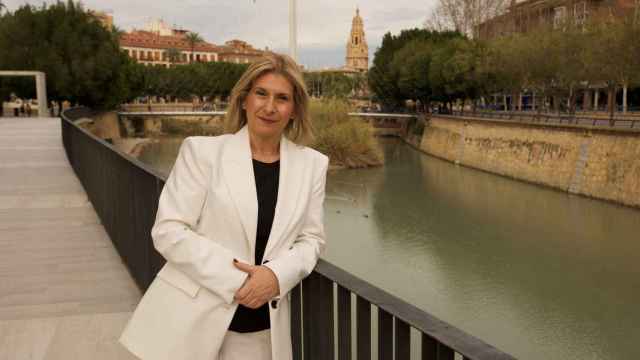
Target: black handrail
(125, 193)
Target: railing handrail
(449, 335)
(382, 115)
(184, 113)
(64, 115)
(544, 118)
(170, 113)
(463, 343)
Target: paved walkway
(64, 292)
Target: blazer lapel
(291, 164)
(238, 175)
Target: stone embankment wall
(109, 125)
(599, 163)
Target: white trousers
(246, 346)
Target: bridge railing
(125, 193)
(625, 122)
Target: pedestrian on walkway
(28, 108)
(18, 107)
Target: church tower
(357, 48)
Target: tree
(81, 59)
(571, 60)
(451, 71)
(333, 84)
(614, 56)
(384, 77)
(464, 15)
(412, 64)
(193, 39)
(183, 82)
(510, 59)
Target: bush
(347, 141)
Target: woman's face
(269, 106)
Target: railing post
(296, 323)
(363, 316)
(385, 335)
(429, 349)
(317, 311)
(403, 340)
(344, 323)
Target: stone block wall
(600, 163)
(613, 169)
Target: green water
(537, 273)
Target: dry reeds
(347, 141)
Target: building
(238, 51)
(525, 16)
(161, 45)
(357, 49)
(529, 15)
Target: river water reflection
(535, 272)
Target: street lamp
(293, 42)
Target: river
(535, 272)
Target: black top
(267, 176)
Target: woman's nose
(270, 105)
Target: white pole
(624, 99)
(41, 93)
(293, 43)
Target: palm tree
(193, 39)
(2, 6)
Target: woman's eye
(260, 93)
(283, 98)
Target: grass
(348, 142)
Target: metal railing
(173, 107)
(172, 113)
(625, 122)
(125, 192)
(384, 120)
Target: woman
(240, 224)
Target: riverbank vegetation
(349, 142)
(558, 65)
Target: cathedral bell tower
(357, 48)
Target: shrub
(347, 141)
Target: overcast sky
(323, 25)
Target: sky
(323, 25)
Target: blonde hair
(299, 129)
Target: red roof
(150, 40)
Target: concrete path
(64, 292)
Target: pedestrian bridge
(67, 255)
(64, 291)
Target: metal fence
(621, 122)
(125, 192)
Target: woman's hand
(260, 287)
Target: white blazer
(207, 216)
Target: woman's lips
(267, 120)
